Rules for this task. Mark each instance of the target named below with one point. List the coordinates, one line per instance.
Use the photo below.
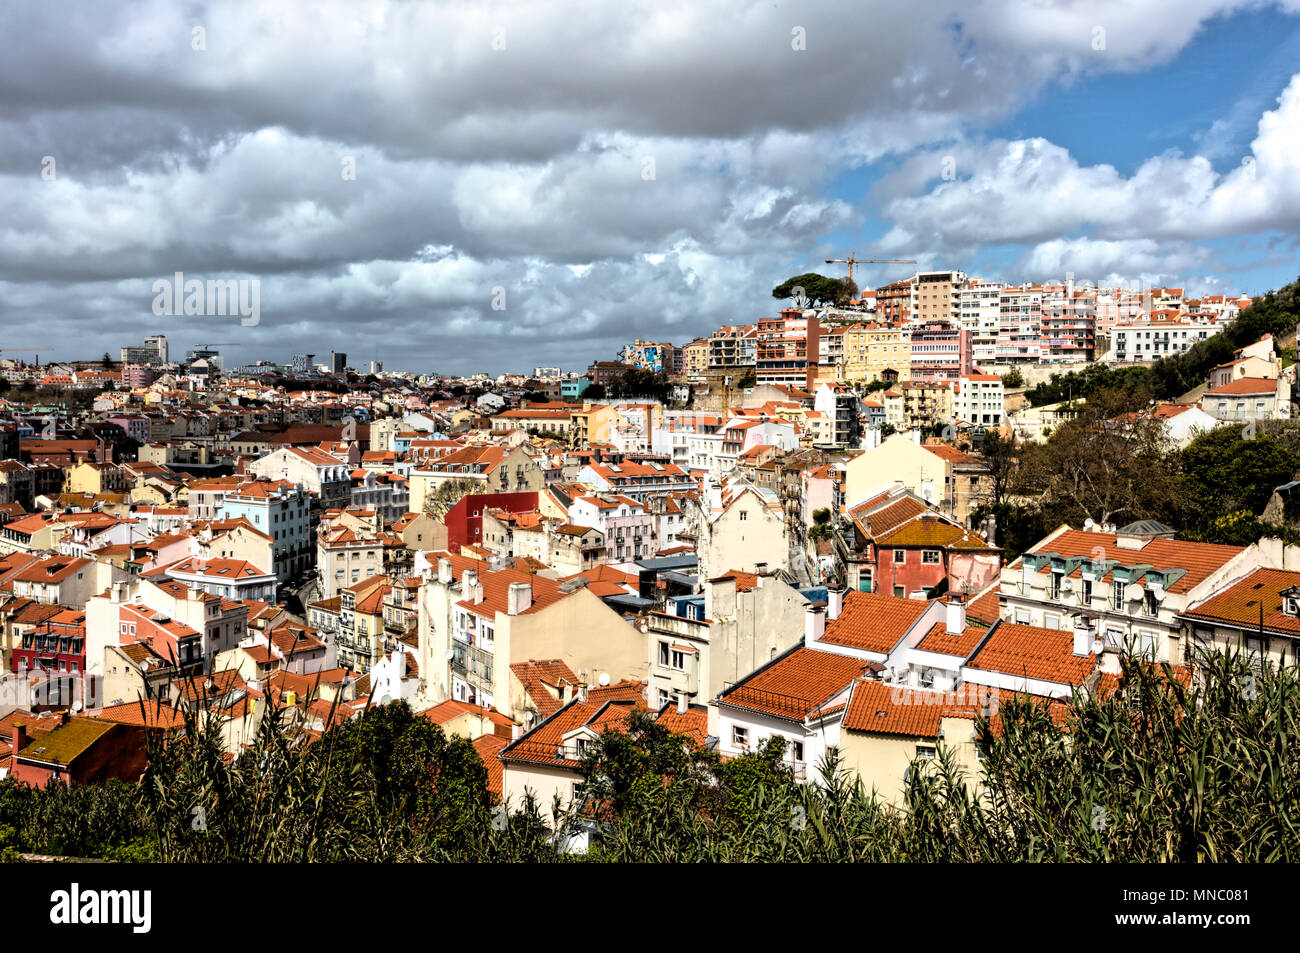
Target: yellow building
(926, 403)
(890, 731)
(875, 352)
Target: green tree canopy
(818, 289)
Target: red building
(79, 751)
(57, 644)
(465, 520)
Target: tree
(448, 494)
(594, 392)
(846, 291)
(1013, 378)
(999, 455)
(106, 361)
(818, 289)
(640, 382)
(747, 380)
(1229, 469)
(1107, 463)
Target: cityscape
(557, 483)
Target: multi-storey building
(788, 349)
(979, 400)
(935, 296)
(281, 510)
(1020, 330)
(940, 351)
(1126, 587)
(1150, 341)
(475, 621)
(979, 311)
(1069, 325)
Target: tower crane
(851, 261)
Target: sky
(496, 185)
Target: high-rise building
(338, 362)
(302, 363)
(152, 352)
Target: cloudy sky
(497, 185)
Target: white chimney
(1082, 637)
(955, 621)
(582, 694)
(834, 603)
(469, 587)
(445, 572)
(683, 703)
(519, 597)
(814, 626)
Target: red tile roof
(894, 710)
(1028, 651)
(873, 621)
(796, 685)
(1199, 559)
(1239, 604)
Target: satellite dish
(450, 655)
(1133, 592)
(603, 679)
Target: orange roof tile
(1029, 651)
(796, 685)
(873, 621)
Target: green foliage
(1013, 378)
(1199, 765)
(1234, 468)
(640, 382)
(747, 380)
(818, 289)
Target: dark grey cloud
(525, 166)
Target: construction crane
(851, 261)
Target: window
(663, 653)
(900, 556)
(678, 659)
(925, 751)
(739, 737)
(1051, 621)
(1022, 617)
(930, 557)
(744, 514)
(898, 592)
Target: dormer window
(1291, 601)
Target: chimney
(1082, 637)
(683, 703)
(814, 623)
(834, 604)
(19, 738)
(955, 621)
(519, 597)
(445, 572)
(469, 587)
(582, 694)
